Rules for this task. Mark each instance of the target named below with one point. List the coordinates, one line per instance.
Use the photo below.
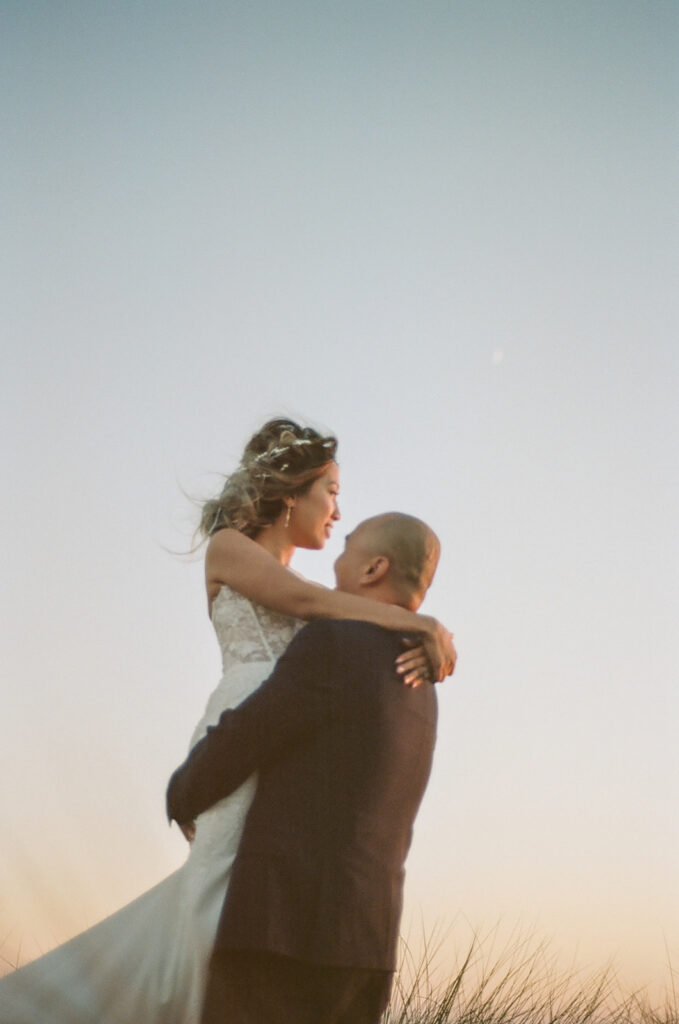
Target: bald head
(395, 552)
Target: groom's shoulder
(347, 635)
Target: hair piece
(280, 461)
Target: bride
(147, 963)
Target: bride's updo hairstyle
(280, 461)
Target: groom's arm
(299, 698)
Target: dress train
(147, 963)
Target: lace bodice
(249, 632)
(251, 638)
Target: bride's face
(315, 513)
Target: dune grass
(520, 984)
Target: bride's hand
(413, 664)
(440, 650)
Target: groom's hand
(189, 830)
(174, 809)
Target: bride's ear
(375, 571)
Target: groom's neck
(386, 594)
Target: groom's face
(347, 566)
(351, 564)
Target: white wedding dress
(147, 963)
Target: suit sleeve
(298, 699)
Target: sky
(448, 233)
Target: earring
(287, 516)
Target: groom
(343, 750)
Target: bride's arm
(235, 560)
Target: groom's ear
(375, 571)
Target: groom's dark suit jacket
(343, 751)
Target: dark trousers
(263, 988)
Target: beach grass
(518, 984)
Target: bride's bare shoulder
(244, 565)
(230, 540)
(234, 560)
(233, 544)
(230, 554)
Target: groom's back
(319, 872)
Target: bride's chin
(311, 544)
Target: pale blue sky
(446, 231)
